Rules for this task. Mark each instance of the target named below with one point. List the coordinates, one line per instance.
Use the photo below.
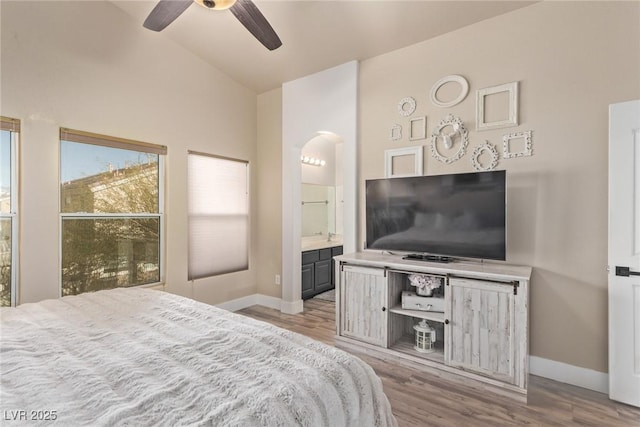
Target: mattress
(145, 357)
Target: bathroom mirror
(318, 210)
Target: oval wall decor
(454, 78)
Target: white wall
(89, 66)
(322, 102)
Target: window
(9, 131)
(218, 195)
(111, 198)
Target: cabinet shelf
(406, 345)
(434, 316)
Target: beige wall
(89, 66)
(572, 60)
(269, 189)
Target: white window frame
(13, 214)
(79, 215)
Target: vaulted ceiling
(316, 35)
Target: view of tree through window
(6, 218)
(111, 222)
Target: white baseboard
(292, 307)
(271, 302)
(239, 303)
(264, 300)
(569, 374)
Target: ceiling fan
(166, 11)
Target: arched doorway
(311, 106)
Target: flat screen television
(439, 217)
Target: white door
(624, 252)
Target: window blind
(218, 209)
(110, 141)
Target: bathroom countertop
(309, 244)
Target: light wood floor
(420, 399)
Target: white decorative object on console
(425, 284)
(406, 106)
(489, 148)
(454, 78)
(425, 337)
(512, 113)
(459, 132)
(412, 301)
(528, 144)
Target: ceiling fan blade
(165, 12)
(249, 15)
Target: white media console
(482, 336)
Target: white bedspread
(144, 357)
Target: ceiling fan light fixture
(166, 11)
(216, 4)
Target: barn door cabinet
(481, 330)
(364, 304)
(481, 336)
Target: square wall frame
(511, 120)
(418, 128)
(416, 152)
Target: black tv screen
(456, 215)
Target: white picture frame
(395, 133)
(490, 149)
(416, 152)
(407, 106)
(459, 131)
(454, 78)
(528, 145)
(511, 120)
(418, 128)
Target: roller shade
(218, 209)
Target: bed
(146, 357)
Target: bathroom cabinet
(318, 270)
